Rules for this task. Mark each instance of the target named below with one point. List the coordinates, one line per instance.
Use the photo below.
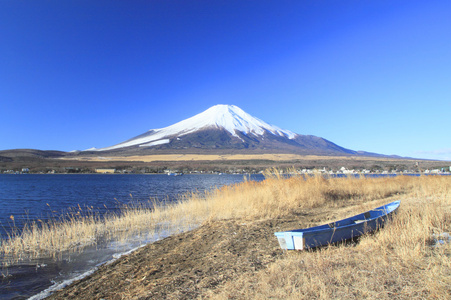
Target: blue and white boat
(175, 173)
(342, 230)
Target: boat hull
(342, 230)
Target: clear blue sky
(366, 75)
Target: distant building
(106, 171)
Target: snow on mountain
(228, 117)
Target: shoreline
(58, 286)
(177, 267)
(198, 262)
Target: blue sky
(366, 75)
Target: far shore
(218, 157)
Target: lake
(28, 197)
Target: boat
(338, 231)
(175, 174)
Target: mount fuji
(225, 129)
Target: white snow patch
(160, 142)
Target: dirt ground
(193, 264)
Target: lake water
(29, 197)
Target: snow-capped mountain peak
(231, 118)
(227, 117)
(225, 129)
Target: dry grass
(250, 200)
(398, 262)
(216, 157)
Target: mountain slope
(226, 127)
(230, 118)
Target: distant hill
(30, 153)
